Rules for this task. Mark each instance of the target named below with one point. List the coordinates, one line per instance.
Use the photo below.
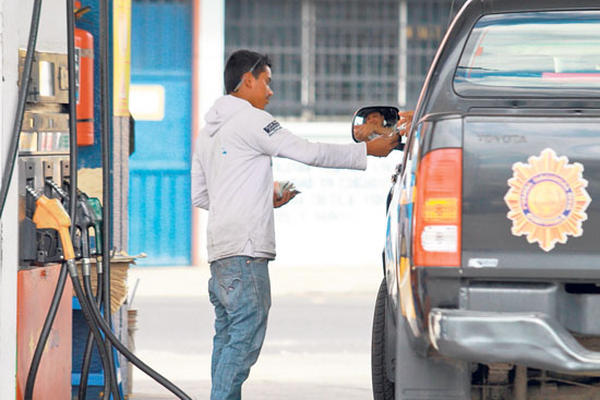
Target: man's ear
(248, 80)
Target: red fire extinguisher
(84, 72)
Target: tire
(383, 388)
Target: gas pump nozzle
(50, 214)
(63, 194)
(97, 208)
(87, 210)
(85, 219)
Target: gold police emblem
(547, 199)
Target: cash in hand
(282, 186)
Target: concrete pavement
(193, 281)
(317, 345)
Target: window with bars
(273, 27)
(331, 57)
(426, 23)
(355, 54)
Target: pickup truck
(491, 286)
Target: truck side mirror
(369, 122)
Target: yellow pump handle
(50, 214)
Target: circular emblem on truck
(547, 199)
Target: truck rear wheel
(383, 388)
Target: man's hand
(286, 196)
(362, 132)
(382, 145)
(404, 121)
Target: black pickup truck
(491, 284)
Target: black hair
(240, 62)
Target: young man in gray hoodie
(232, 178)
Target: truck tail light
(437, 229)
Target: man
(374, 125)
(232, 179)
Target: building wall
(15, 17)
(338, 219)
(320, 226)
(207, 86)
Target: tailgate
(546, 222)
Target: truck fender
(428, 375)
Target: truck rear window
(533, 53)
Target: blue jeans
(240, 290)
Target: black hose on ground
(110, 382)
(88, 316)
(125, 351)
(95, 304)
(45, 333)
(87, 355)
(13, 148)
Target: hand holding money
(283, 191)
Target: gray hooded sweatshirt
(232, 176)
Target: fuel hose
(109, 372)
(87, 356)
(88, 315)
(86, 221)
(86, 362)
(50, 214)
(106, 164)
(123, 350)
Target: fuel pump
(45, 156)
(45, 138)
(50, 214)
